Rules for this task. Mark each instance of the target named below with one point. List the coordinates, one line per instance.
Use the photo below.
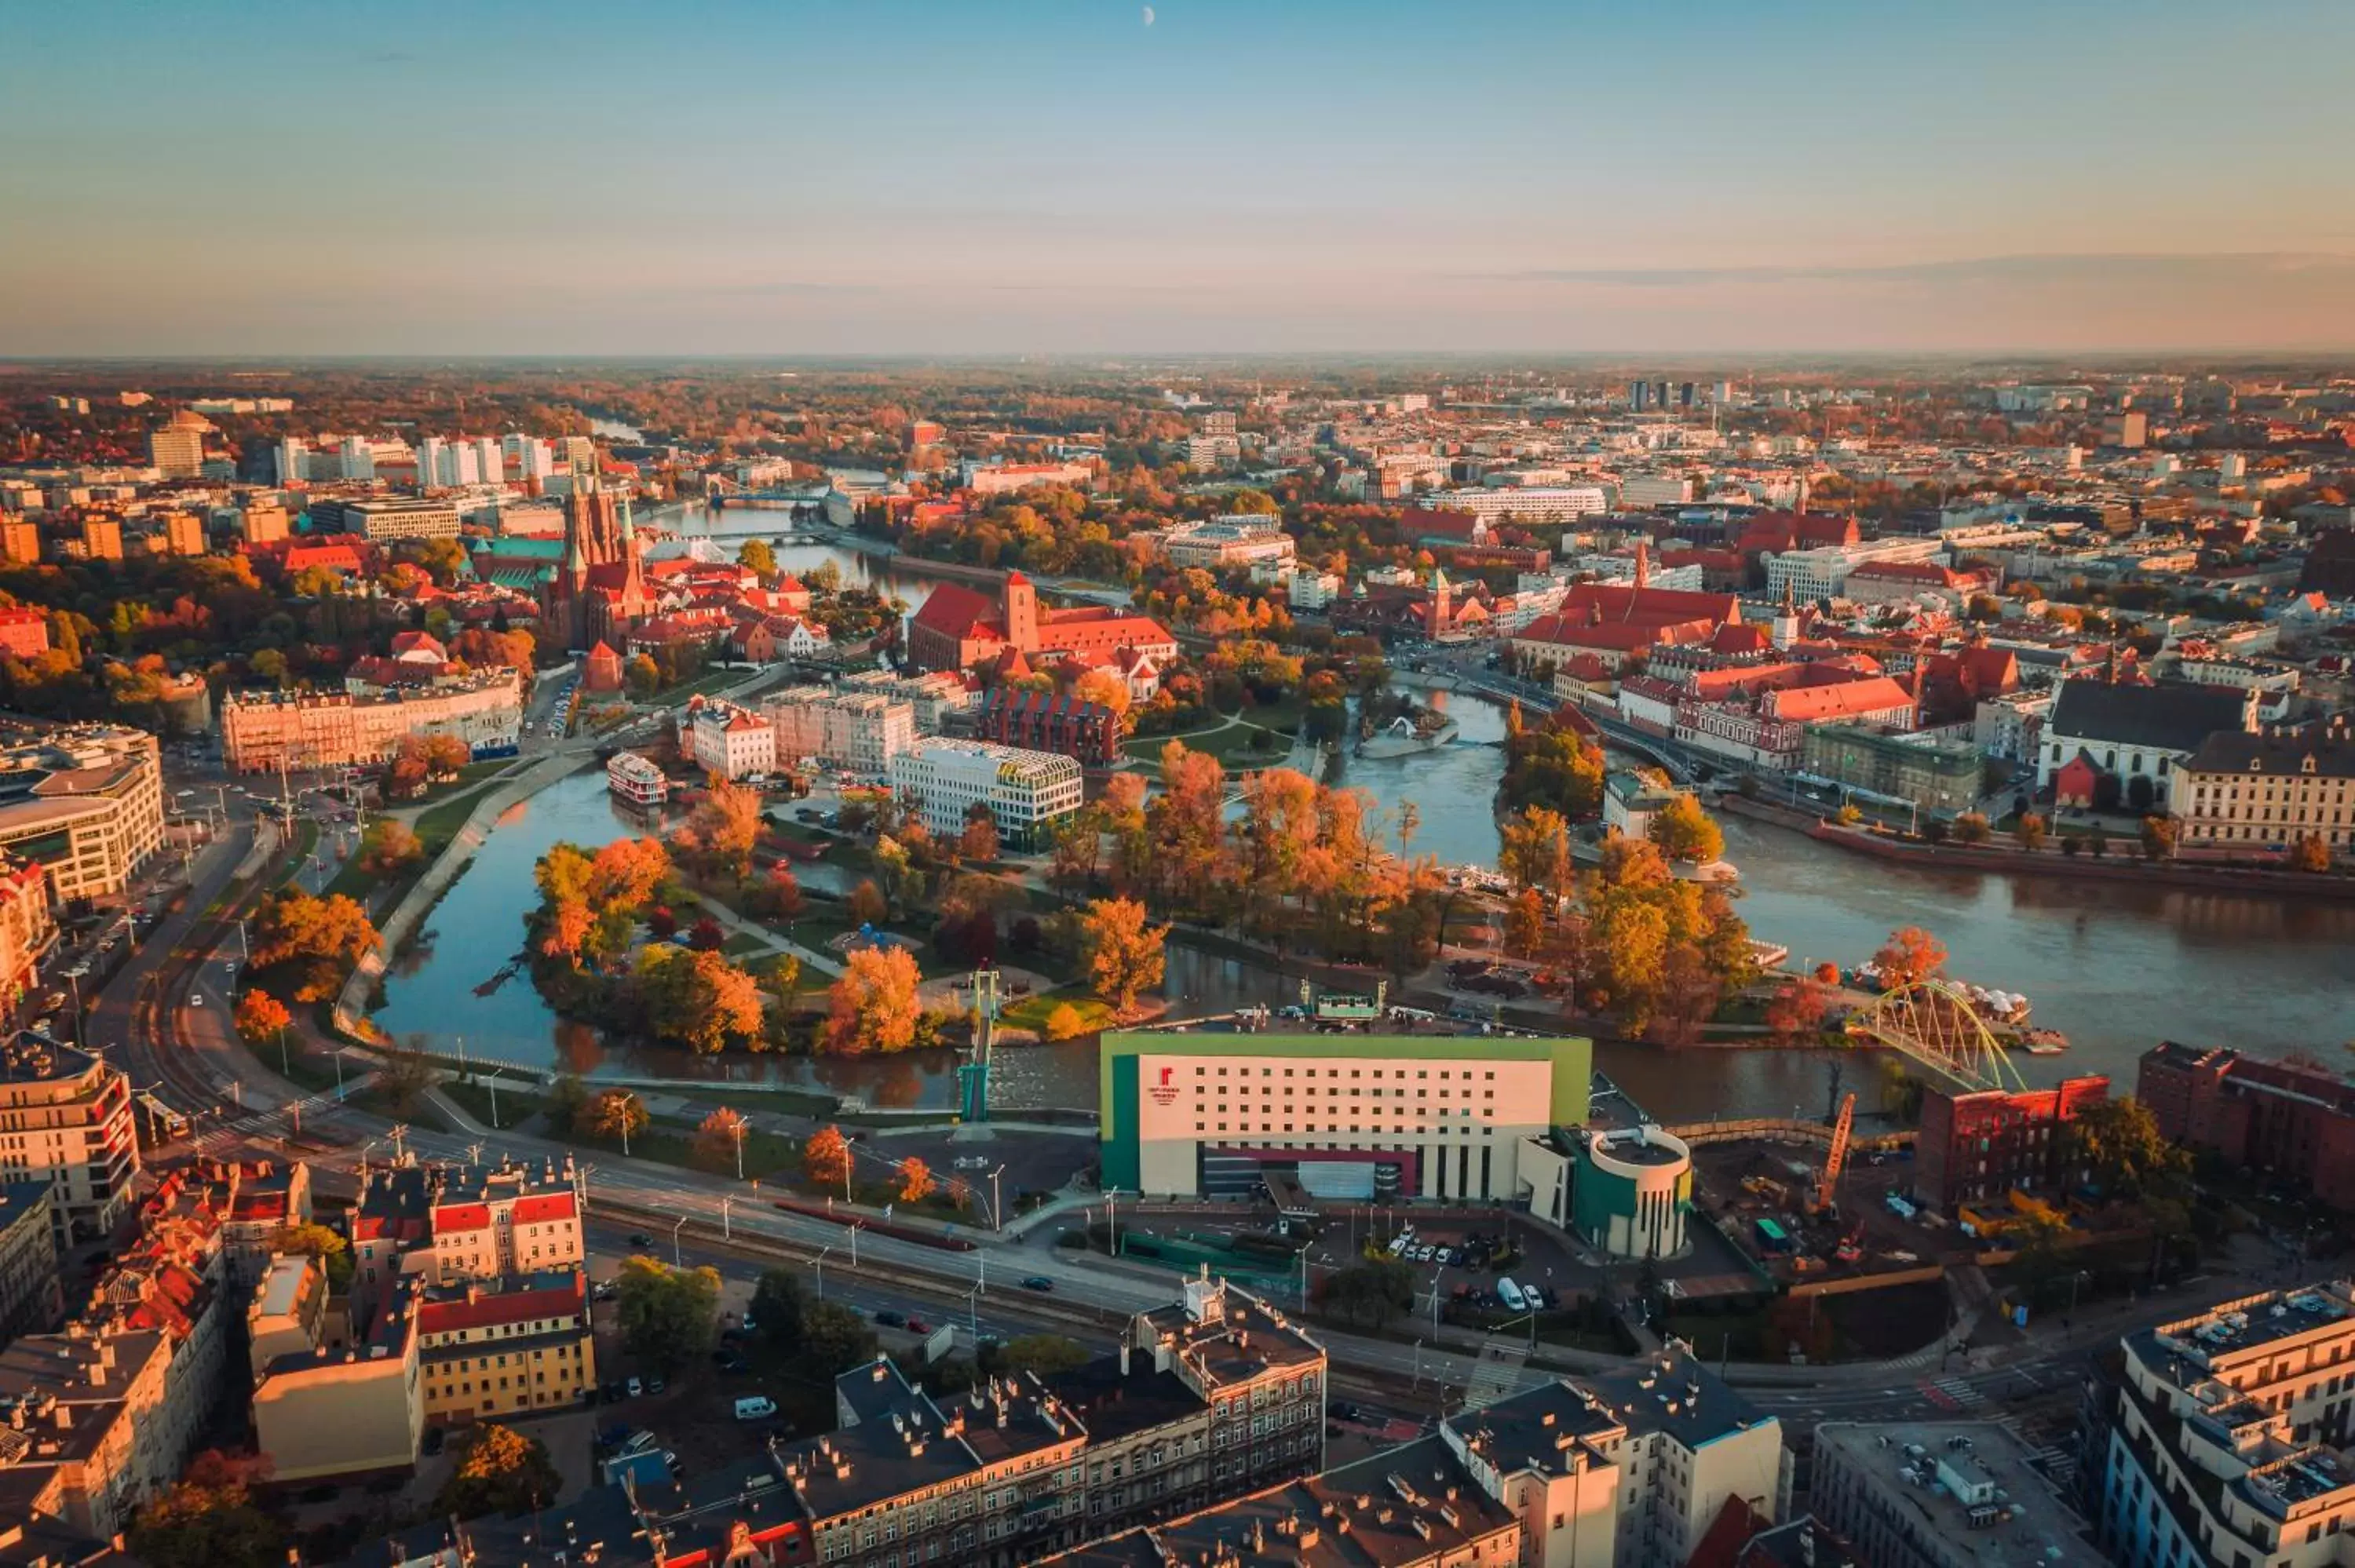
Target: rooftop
(1970, 1480)
(2229, 1331)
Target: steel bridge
(1931, 1023)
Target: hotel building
(1346, 1115)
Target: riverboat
(632, 779)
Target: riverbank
(2127, 864)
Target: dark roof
(2237, 751)
(2170, 716)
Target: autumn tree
(758, 557)
(916, 1181)
(445, 754)
(719, 1143)
(2158, 837)
(872, 1006)
(1910, 955)
(1533, 850)
(260, 1016)
(613, 1116)
(641, 677)
(1123, 950)
(867, 906)
(1794, 1014)
(301, 1239)
(825, 1158)
(502, 1472)
(1686, 833)
(209, 1519)
(978, 841)
(725, 825)
(2311, 853)
(315, 941)
(2029, 830)
(697, 999)
(1105, 689)
(389, 847)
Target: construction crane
(1838, 1158)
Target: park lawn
(439, 824)
(741, 943)
(306, 841)
(1031, 1011)
(709, 681)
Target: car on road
(970, 1162)
(1038, 1282)
(918, 1326)
(639, 1238)
(889, 1319)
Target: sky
(1087, 177)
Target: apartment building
(2221, 1442)
(448, 1224)
(84, 800)
(727, 741)
(1822, 572)
(859, 731)
(1053, 721)
(1629, 1470)
(287, 1313)
(66, 1119)
(30, 1295)
(1896, 765)
(345, 1409)
(265, 731)
(382, 521)
(178, 451)
(1942, 1494)
(1214, 1397)
(1026, 793)
(255, 1201)
(1348, 1117)
(517, 1346)
(1526, 503)
(2269, 789)
(935, 697)
(27, 930)
(107, 1410)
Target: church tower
(1021, 608)
(1783, 630)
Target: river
(2115, 965)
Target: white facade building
(730, 742)
(1548, 503)
(1818, 573)
(1026, 791)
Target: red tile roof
(541, 1207)
(462, 1217)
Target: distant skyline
(1049, 177)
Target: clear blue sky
(1049, 175)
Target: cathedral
(600, 591)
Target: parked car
(1038, 1282)
(634, 1387)
(889, 1319)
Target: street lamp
(339, 1071)
(997, 1209)
(818, 1267)
(725, 1233)
(676, 1261)
(739, 1147)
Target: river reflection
(2116, 966)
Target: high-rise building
(20, 542)
(490, 465)
(183, 534)
(578, 455)
(356, 458)
(531, 457)
(178, 450)
(262, 522)
(85, 800)
(433, 455)
(293, 460)
(1025, 792)
(1943, 1494)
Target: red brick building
(1975, 1148)
(24, 633)
(2296, 1122)
(1053, 721)
(958, 627)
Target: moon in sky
(1148, 16)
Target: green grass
(741, 943)
(306, 841)
(439, 824)
(709, 681)
(1031, 1011)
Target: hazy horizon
(1069, 180)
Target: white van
(1512, 1295)
(755, 1407)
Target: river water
(2115, 965)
